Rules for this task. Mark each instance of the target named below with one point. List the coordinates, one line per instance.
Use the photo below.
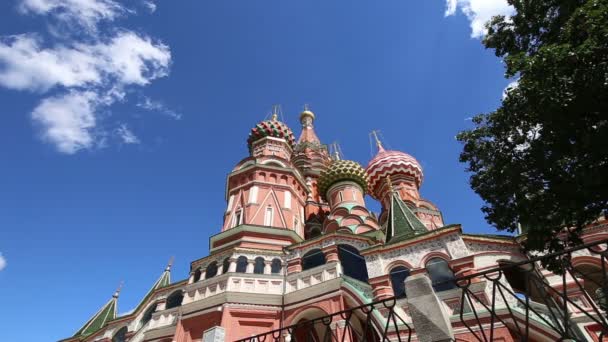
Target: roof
(401, 223)
(99, 320)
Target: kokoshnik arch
(298, 242)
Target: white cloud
(86, 74)
(84, 12)
(126, 135)
(157, 106)
(151, 6)
(478, 12)
(68, 120)
(2, 262)
(509, 87)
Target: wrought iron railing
(514, 296)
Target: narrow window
(230, 201)
(226, 265)
(253, 194)
(398, 276)
(237, 218)
(287, 200)
(211, 270)
(341, 196)
(441, 275)
(268, 216)
(296, 223)
(258, 267)
(241, 264)
(275, 267)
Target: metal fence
(515, 296)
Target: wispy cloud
(478, 12)
(151, 6)
(157, 106)
(126, 135)
(2, 262)
(80, 76)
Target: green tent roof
(105, 314)
(401, 223)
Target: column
(294, 266)
(331, 253)
(431, 321)
(232, 267)
(250, 266)
(267, 267)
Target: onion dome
(342, 170)
(271, 128)
(392, 163)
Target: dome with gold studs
(342, 170)
(271, 128)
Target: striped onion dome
(342, 170)
(271, 128)
(392, 163)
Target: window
(147, 315)
(120, 335)
(175, 299)
(197, 275)
(253, 194)
(287, 200)
(237, 218)
(353, 264)
(296, 223)
(312, 259)
(341, 196)
(230, 201)
(211, 270)
(258, 267)
(441, 275)
(276, 266)
(398, 275)
(241, 264)
(354, 195)
(268, 216)
(226, 265)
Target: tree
(541, 159)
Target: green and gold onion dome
(342, 170)
(271, 128)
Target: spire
(401, 223)
(103, 316)
(275, 112)
(162, 281)
(336, 152)
(374, 133)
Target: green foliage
(541, 159)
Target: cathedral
(298, 243)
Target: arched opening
(312, 259)
(147, 315)
(398, 275)
(523, 280)
(211, 270)
(258, 267)
(175, 299)
(121, 335)
(197, 275)
(225, 265)
(593, 281)
(353, 264)
(441, 275)
(276, 266)
(305, 331)
(241, 264)
(313, 232)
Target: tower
(404, 175)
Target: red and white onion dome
(271, 128)
(391, 163)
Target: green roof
(402, 223)
(105, 314)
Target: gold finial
(374, 133)
(275, 112)
(115, 295)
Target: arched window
(398, 275)
(276, 266)
(441, 275)
(211, 270)
(258, 267)
(147, 315)
(121, 335)
(353, 264)
(241, 264)
(175, 299)
(197, 275)
(225, 265)
(312, 259)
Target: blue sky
(120, 122)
